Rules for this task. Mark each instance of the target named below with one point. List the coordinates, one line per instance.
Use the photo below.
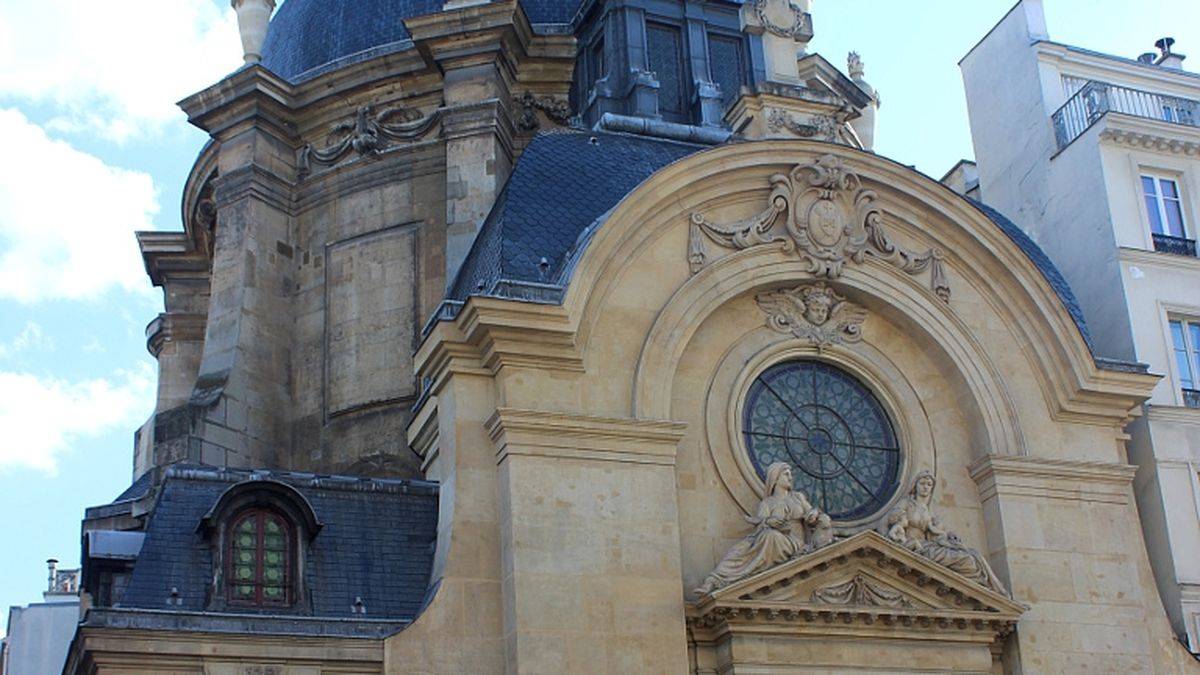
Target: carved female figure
(913, 525)
(786, 526)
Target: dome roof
(305, 35)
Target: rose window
(830, 429)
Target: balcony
(1191, 398)
(1095, 99)
(1164, 243)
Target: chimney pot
(1147, 57)
(253, 17)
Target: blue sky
(93, 148)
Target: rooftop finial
(253, 17)
(854, 65)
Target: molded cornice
(538, 433)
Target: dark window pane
(725, 62)
(1148, 187)
(1168, 188)
(664, 54)
(1156, 224)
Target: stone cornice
(1172, 413)
(171, 255)
(1153, 135)
(174, 327)
(1156, 259)
(251, 96)
(539, 433)
(1044, 478)
(253, 180)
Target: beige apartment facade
(1110, 188)
(537, 339)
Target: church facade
(553, 337)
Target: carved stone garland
(861, 591)
(558, 111)
(823, 127)
(830, 218)
(367, 135)
(813, 312)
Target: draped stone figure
(913, 524)
(786, 526)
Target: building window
(833, 432)
(1163, 205)
(665, 57)
(260, 551)
(596, 60)
(1185, 341)
(725, 62)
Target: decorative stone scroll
(822, 127)
(558, 111)
(786, 526)
(829, 219)
(813, 312)
(913, 525)
(862, 592)
(367, 134)
(782, 18)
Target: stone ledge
(1104, 482)
(537, 433)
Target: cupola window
(260, 559)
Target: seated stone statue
(785, 527)
(912, 524)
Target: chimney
(52, 564)
(1166, 57)
(253, 17)
(1147, 58)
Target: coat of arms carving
(829, 219)
(813, 312)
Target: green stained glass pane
(246, 525)
(243, 572)
(273, 558)
(272, 527)
(273, 592)
(245, 541)
(273, 542)
(245, 556)
(244, 591)
(273, 574)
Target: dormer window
(260, 550)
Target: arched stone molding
(977, 254)
(910, 304)
(762, 348)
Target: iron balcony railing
(1191, 398)
(1165, 243)
(1094, 99)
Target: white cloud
(115, 69)
(42, 417)
(31, 337)
(67, 218)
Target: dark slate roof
(563, 182)
(376, 543)
(307, 37)
(140, 488)
(566, 182)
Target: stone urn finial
(253, 17)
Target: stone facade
(1094, 127)
(382, 274)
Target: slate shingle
(377, 544)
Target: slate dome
(307, 37)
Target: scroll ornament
(782, 18)
(813, 312)
(785, 527)
(829, 218)
(367, 135)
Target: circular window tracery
(831, 429)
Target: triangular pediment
(865, 580)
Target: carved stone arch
(198, 207)
(764, 268)
(977, 253)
